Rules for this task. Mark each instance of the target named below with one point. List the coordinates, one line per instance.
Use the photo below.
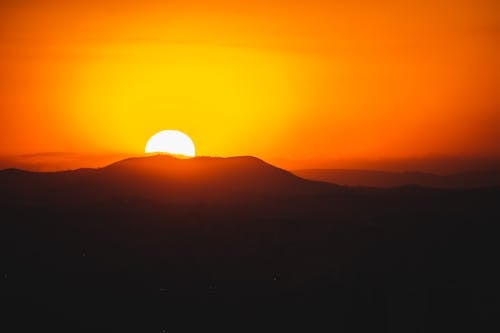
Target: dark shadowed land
(371, 178)
(210, 244)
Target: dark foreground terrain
(209, 245)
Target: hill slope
(161, 244)
(392, 179)
(161, 178)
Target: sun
(171, 142)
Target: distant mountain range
(164, 178)
(237, 245)
(161, 178)
(371, 178)
(439, 173)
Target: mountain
(161, 178)
(237, 245)
(373, 178)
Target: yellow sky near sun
(310, 79)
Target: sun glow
(171, 142)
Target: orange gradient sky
(276, 79)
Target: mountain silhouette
(235, 244)
(163, 178)
(373, 178)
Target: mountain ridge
(163, 178)
(387, 179)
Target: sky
(281, 80)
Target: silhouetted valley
(161, 244)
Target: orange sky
(308, 80)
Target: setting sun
(171, 142)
